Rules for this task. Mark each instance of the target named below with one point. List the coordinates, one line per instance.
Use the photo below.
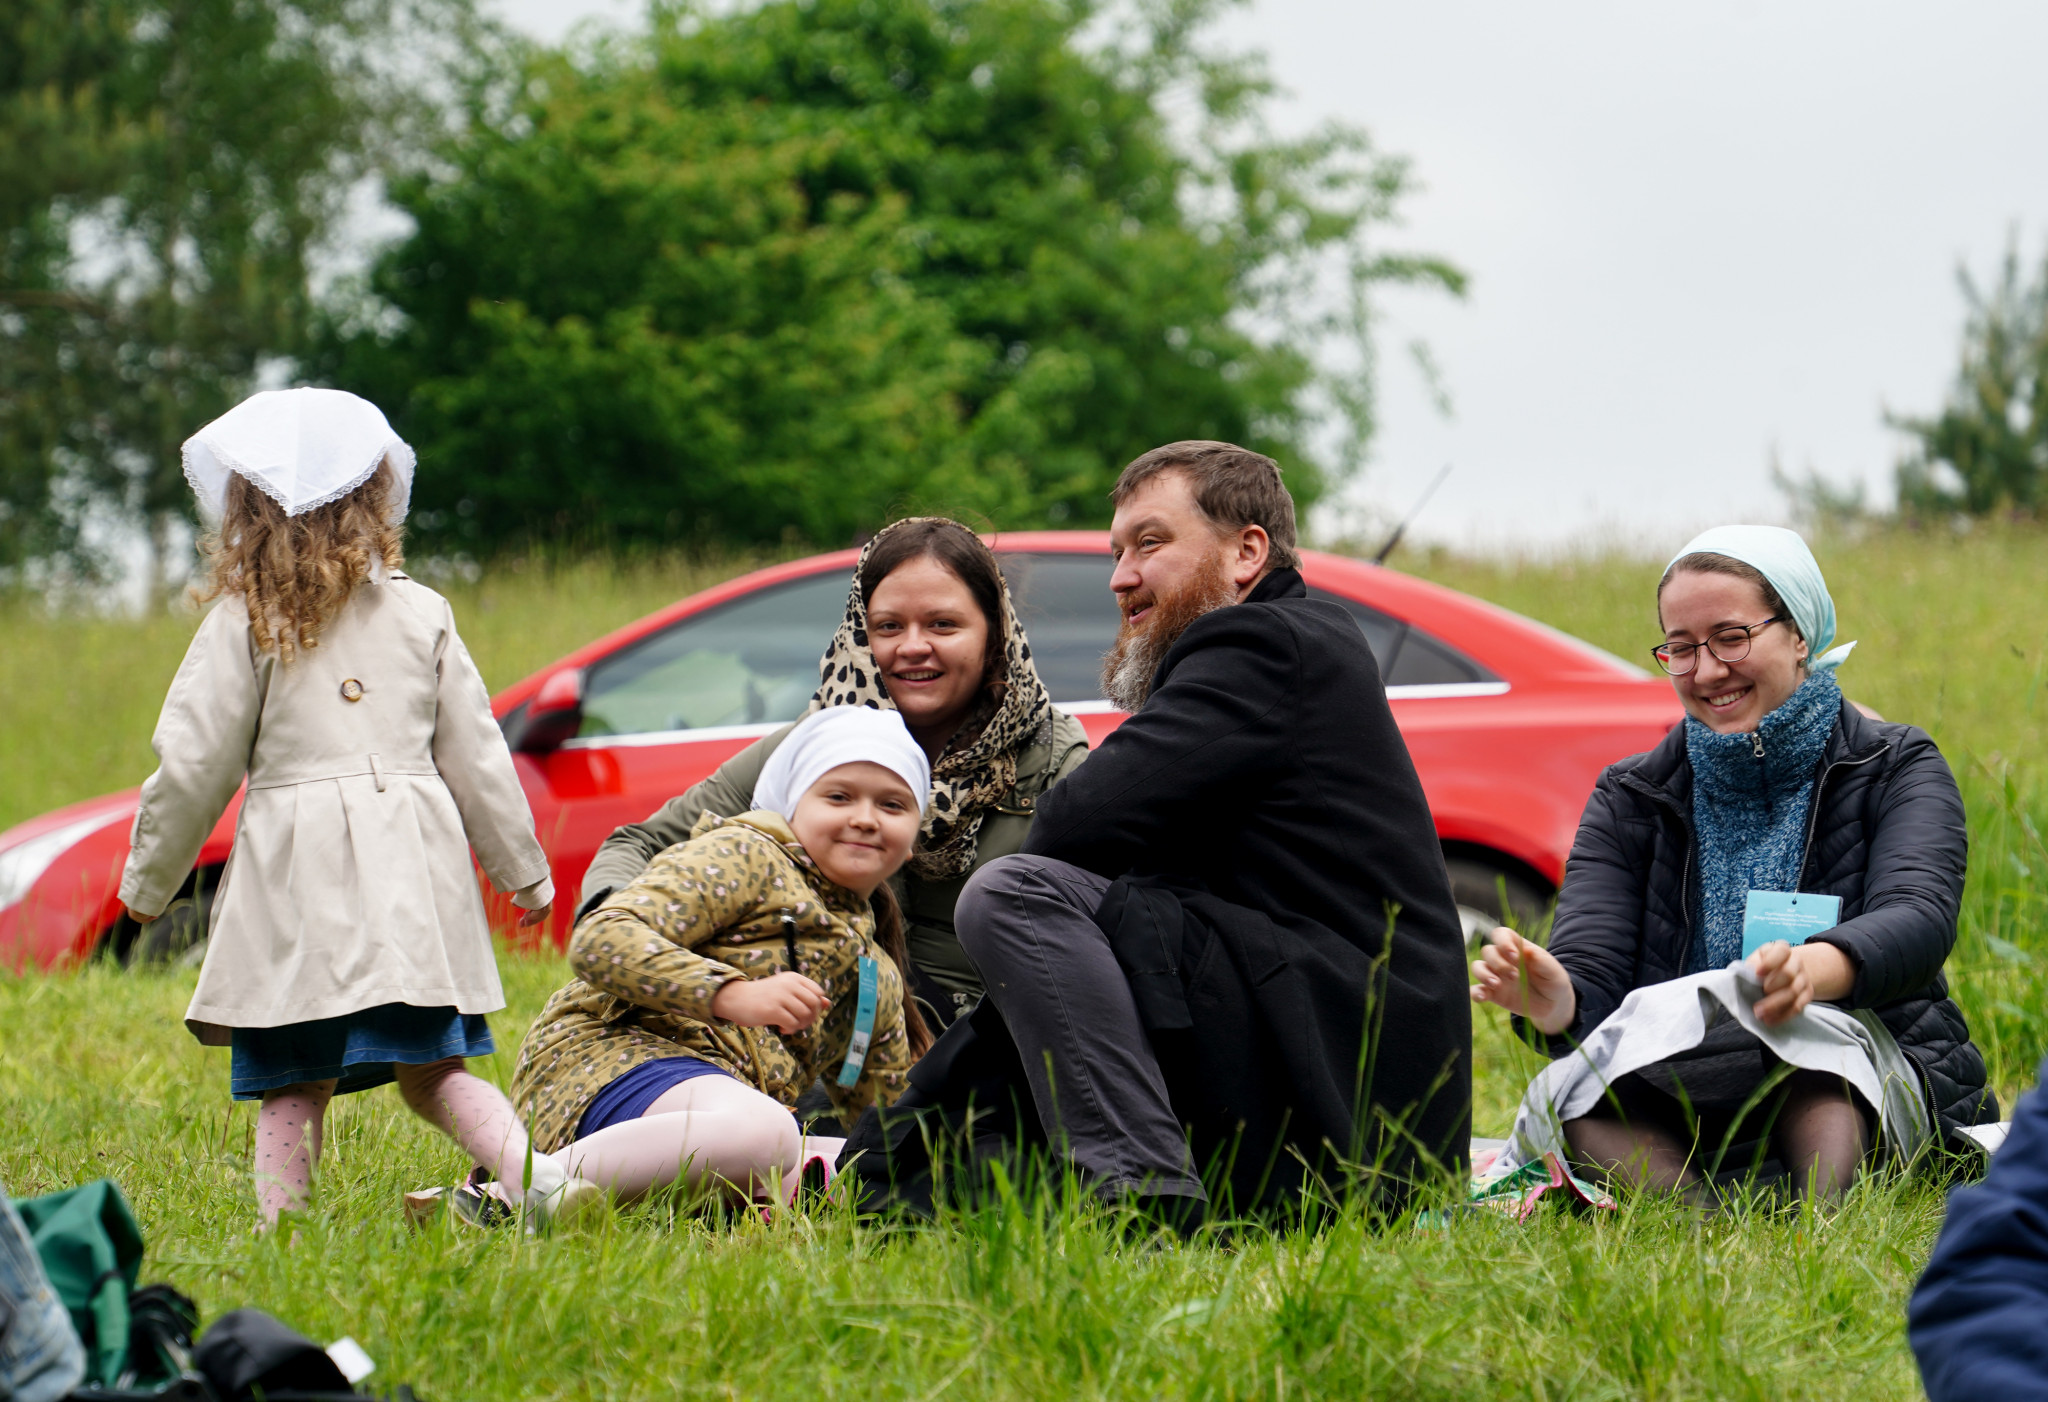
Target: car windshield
(754, 661)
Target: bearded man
(1228, 948)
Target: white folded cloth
(1658, 1022)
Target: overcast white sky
(1696, 233)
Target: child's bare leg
(711, 1132)
(288, 1145)
(472, 1112)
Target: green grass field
(98, 1077)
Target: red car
(1509, 722)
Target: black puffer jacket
(1885, 834)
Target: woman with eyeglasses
(1773, 783)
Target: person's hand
(138, 917)
(788, 1002)
(1795, 975)
(1525, 978)
(534, 917)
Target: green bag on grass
(92, 1251)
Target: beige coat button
(351, 690)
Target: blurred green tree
(1987, 450)
(60, 141)
(168, 171)
(781, 273)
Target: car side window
(1068, 614)
(1429, 661)
(1407, 655)
(1071, 619)
(1383, 632)
(752, 661)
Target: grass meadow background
(1033, 1299)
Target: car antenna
(1414, 511)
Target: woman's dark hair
(962, 552)
(1706, 562)
(889, 934)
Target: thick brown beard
(1130, 665)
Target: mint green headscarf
(1781, 557)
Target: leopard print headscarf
(979, 764)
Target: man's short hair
(1233, 486)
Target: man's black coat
(1266, 831)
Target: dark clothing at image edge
(1975, 1318)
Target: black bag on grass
(138, 1341)
(247, 1354)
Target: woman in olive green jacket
(930, 631)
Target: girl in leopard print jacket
(742, 965)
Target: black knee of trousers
(994, 886)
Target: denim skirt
(357, 1049)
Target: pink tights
(470, 1110)
(712, 1132)
(288, 1145)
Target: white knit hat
(824, 740)
(302, 447)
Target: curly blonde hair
(296, 572)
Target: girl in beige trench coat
(349, 945)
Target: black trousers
(1028, 923)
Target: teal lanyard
(863, 1022)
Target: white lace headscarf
(301, 447)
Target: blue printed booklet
(1791, 916)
